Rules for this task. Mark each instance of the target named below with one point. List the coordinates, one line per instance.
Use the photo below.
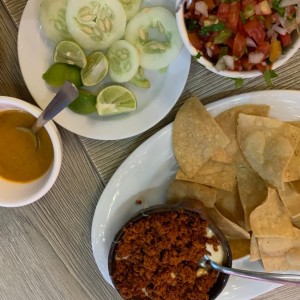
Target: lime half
(95, 69)
(115, 99)
(70, 53)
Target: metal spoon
(66, 94)
(292, 279)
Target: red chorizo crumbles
(157, 258)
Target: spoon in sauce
(66, 94)
(293, 279)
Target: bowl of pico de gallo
(243, 38)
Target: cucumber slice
(123, 61)
(95, 24)
(153, 31)
(52, 16)
(131, 7)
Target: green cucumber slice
(131, 7)
(123, 61)
(153, 31)
(95, 24)
(52, 16)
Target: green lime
(84, 104)
(70, 53)
(115, 99)
(95, 69)
(58, 73)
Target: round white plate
(146, 174)
(35, 56)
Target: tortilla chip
(227, 121)
(280, 254)
(215, 174)
(268, 145)
(254, 250)
(230, 229)
(229, 205)
(290, 199)
(296, 185)
(179, 189)
(252, 190)
(196, 136)
(296, 222)
(292, 171)
(221, 155)
(271, 219)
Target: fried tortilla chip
(229, 205)
(227, 121)
(213, 173)
(292, 171)
(179, 189)
(280, 254)
(195, 136)
(268, 145)
(252, 190)
(230, 229)
(222, 156)
(290, 199)
(270, 219)
(254, 250)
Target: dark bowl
(190, 207)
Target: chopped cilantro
(238, 82)
(197, 56)
(269, 75)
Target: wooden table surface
(45, 247)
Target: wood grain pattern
(45, 249)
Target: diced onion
(209, 51)
(250, 42)
(255, 57)
(201, 8)
(279, 29)
(285, 3)
(225, 61)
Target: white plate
(35, 56)
(146, 174)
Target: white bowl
(232, 74)
(14, 194)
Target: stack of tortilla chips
(244, 166)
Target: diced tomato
(268, 22)
(210, 4)
(260, 67)
(264, 47)
(246, 65)
(238, 65)
(248, 2)
(285, 39)
(239, 45)
(223, 12)
(255, 30)
(275, 18)
(195, 40)
(234, 15)
(229, 43)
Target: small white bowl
(14, 194)
(232, 74)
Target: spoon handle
(67, 93)
(262, 276)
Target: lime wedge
(84, 104)
(58, 73)
(95, 69)
(70, 53)
(115, 99)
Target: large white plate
(35, 56)
(146, 173)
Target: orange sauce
(20, 159)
